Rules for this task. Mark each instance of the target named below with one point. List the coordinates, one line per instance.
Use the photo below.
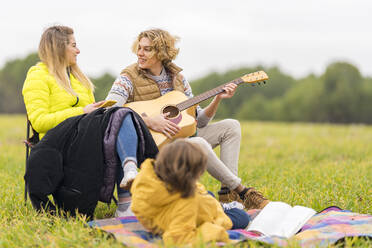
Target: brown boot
(253, 199)
(225, 195)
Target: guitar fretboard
(206, 95)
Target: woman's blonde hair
(180, 164)
(163, 44)
(52, 52)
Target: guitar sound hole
(172, 110)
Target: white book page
(294, 220)
(269, 219)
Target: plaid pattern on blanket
(322, 229)
(333, 224)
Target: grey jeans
(226, 134)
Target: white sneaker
(128, 179)
(126, 213)
(231, 205)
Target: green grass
(307, 164)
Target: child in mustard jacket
(168, 200)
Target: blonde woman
(154, 74)
(55, 88)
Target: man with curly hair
(153, 75)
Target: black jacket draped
(76, 162)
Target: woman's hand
(229, 91)
(161, 124)
(91, 107)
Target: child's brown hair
(180, 164)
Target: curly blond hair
(163, 44)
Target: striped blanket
(324, 228)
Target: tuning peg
(264, 82)
(259, 83)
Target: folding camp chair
(29, 142)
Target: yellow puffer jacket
(179, 220)
(47, 103)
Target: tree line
(339, 95)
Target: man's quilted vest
(144, 87)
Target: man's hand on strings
(161, 124)
(229, 91)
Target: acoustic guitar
(182, 109)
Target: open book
(280, 219)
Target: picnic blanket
(324, 228)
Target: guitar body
(184, 119)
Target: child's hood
(149, 189)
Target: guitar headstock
(255, 77)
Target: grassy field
(307, 164)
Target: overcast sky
(298, 36)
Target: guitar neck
(206, 95)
